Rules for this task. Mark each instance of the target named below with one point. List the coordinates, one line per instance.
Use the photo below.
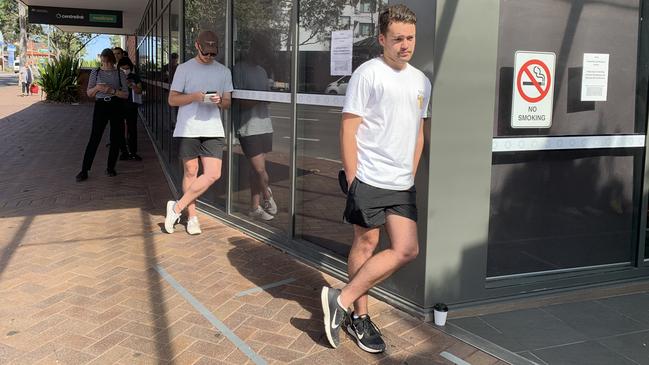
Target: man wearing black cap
(201, 87)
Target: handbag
(33, 89)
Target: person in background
(26, 78)
(107, 85)
(201, 88)
(118, 52)
(129, 149)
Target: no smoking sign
(533, 95)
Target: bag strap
(119, 77)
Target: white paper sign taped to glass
(533, 95)
(342, 47)
(594, 78)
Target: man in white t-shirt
(201, 88)
(381, 141)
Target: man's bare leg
(190, 174)
(403, 249)
(211, 173)
(363, 247)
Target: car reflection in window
(338, 87)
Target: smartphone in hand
(208, 96)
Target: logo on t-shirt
(420, 98)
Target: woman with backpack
(109, 88)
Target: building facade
(505, 211)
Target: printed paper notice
(342, 43)
(594, 79)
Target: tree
(115, 40)
(9, 24)
(319, 18)
(70, 44)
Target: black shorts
(367, 205)
(256, 144)
(192, 147)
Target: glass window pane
(204, 15)
(570, 29)
(320, 203)
(174, 59)
(585, 219)
(262, 54)
(317, 20)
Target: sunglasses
(210, 54)
(206, 54)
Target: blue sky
(96, 46)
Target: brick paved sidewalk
(80, 268)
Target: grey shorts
(367, 205)
(192, 147)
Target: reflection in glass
(166, 129)
(317, 20)
(570, 29)
(320, 203)
(586, 219)
(253, 126)
(160, 104)
(174, 59)
(262, 129)
(204, 15)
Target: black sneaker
(334, 314)
(111, 172)
(136, 157)
(82, 176)
(366, 333)
(124, 157)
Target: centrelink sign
(75, 17)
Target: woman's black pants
(105, 112)
(130, 113)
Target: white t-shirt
(391, 103)
(200, 119)
(255, 119)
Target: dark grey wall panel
(460, 149)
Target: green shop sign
(103, 18)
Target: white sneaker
(172, 217)
(193, 227)
(260, 214)
(269, 204)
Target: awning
(132, 13)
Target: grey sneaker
(193, 227)
(366, 333)
(260, 214)
(334, 314)
(269, 204)
(172, 217)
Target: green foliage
(60, 79)
(90, 63)
(9, 25)
(115, 40)
(70, 44)
(319, 18)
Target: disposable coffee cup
(440, 310)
